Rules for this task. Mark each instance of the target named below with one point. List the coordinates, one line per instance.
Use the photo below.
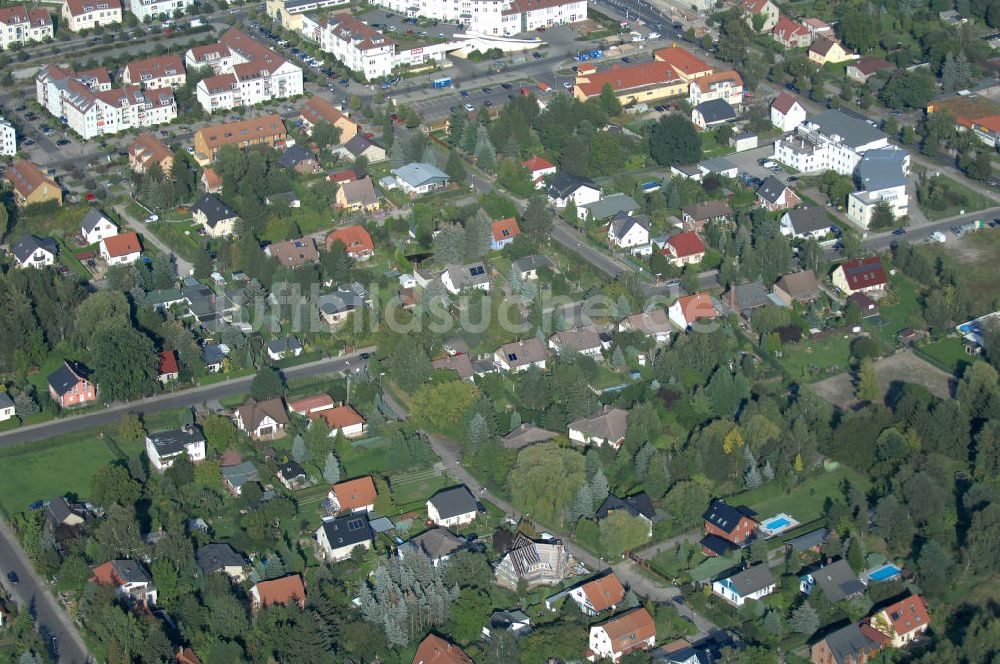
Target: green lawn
(971, 201)
(813, 360)
(950, 354)
(898, 311)
(414, 487)
(805, 502)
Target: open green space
(898, 311)
(805, 502)
(815, 359)
(949, 354)
(420, 485)
(959, 199)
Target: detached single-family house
(684, 249)
(147, 150)
(852, 644)
(516, 622)
(627, 632)
(521, 355)
(745, 297)
(503, 233)
(34, 251)
(221, 557)
(356, 239)
(419, 178)
(294, 253)
(608, 207)
(299, 159)
(122, 249)
(865, 275)
(712, 113)
(787, 112)
(536, 562)
(797, 287)
(654, 323)
(902, 622)
(599, 594)
(461, 364)
(837, 581)
(790, 34)
(438, 544)
(342, 419)
(129, 580)
(261, 418)
(524, 435)
(291, 475)
(211, 181)
(69, 385)
(60, 513)
(689, 309)
(565, 187)
(538, 168)
(528, 266)
(7, 409)
(213, 355)
(806, 222)
(864, 68)
(217, 218)
(817, 27)
(638, 506)
(625, 232)
(284, 591)
(359, 146)
(457, 278)
(767, 10)
(279, 349)
(357, 196)
(725, 85)
(867, 306)
(695, 217)
(718, 166)
(825, 50)
(95, 226)
(338, 537)
(307, 406)
(167, 369)
(357, 495)
(238, 475)
(734, 526)
(754, 583)
(316, 110)
(435, 650)
(165, 447)
(606, 427)
(454, 507)
(584, 340)
(774, 195)
(31, 186)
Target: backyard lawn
(949, 354)
(898, 311)
(805, 503)
(970, 200)
(814, 359)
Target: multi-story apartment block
(830, 141)
(165, 71)
(153, 9)
(493, 17)
(90, 110)
(247, 73)
(724, 85)
(265, 130)
(19, 25)
(8, 139)
(87, 14)
(289, 13)
(359, 46)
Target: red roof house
(600, 594)
(167, 369)
(285, 590)
(903, 621)
(685, 248)
(865, 275)
(357, 495)
(790, 34)
(504, 232)
(356, 240)
(539, 168)
(435, 650)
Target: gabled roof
(504, 229)
(609, 424)
(564, 184)
(216, 556)
(248, 130)
(708, 210)
(748, 295)
(461, 364)
(623, 78)
(622, 224)
(686, 244)
(357, 145)
(214, 209)
(435, 650)
(285, 590)
(707, 83)
(580, 339)
(838, 581)
(537, 163)
(66, 377)
(612, 205)
(716, 110)
(81, 7)
(352, 494)
(771, 189)
(417, 174)
(437, 543)
(524, 435)
(751, 580)
(784, 103)
(628, 630)
(603, 592)
(864, 273)
(92, 219)
(908, 614)
(655, 321)
(290, 471)
(801, 284)
(847, 643)
(294, 156)
(532, 262)
(521, 353)
(697, 306)
(339, 417)
(175, 441)
(316, 109)
(240, 473)
(682, 61)
(726, 517)
(468, 276)
(811, 539)
(120, 572)
(452, 502)
(356, 239)
(868, 65)
(122, 244)
(347, 530)
(786, 29)
(309, 404)
(636, 505)
(823, 45)
(155, 67)
(29, 244)
(809, 219)
(253, 412)
(25, 177)
(359, 191)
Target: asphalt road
(171, 400)
(922, 233)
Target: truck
(441, 83)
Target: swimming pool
(884, 573)
(777, 523)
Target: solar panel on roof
(355, 524)
(512, 357)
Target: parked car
(12, 577)
(536, 55)
(899, 231)
(469, 107)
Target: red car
(369, 135)
(90, 197)
(394, 118)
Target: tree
(331, 469)
(599, 488)
(545, 479)
(468, 615)
(325, 134)
(868, 388)
(455, 168)
(570, 215)
(934, 565)
(674, 140)
(981, 167)
(805, 619)
(131, 428)
(299, 451)
(536, 222)
(440, 406)
(104, 307)
(486, 155)
(621, 532)
(124, 362)
(882, 217)
(267, 384)
(582, 506)
(609, 101)
(410, 366)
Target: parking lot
(403, 30)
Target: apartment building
(165, 71)
(147, 150)
(19, 25)
(154, 9)
(80, 15)
(492, 17)
(91, 108)
(882, 174)
(246, 73)
(266, 130)
(831, 141)
(724, 85)
(8, 139)
(289, 12)
(357, 45)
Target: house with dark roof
(638, 506)
(806, 222)
(457, 278)
(238, 475)
(338, 537)
(516, 622)
(282, 347)
(34, 251)
(584, 340)
(60, 513)
(461, 364)
(129, 580)
(292, 476)
(864, 68)
(359, 146)
(754, 583)
(7, 408)
(521, 355)
(438, 544)
(357, 195)
(712, 113)
(787, 112)
(865, 275)
(524, 435)
(811, 541)
(608, 207)
(528, 266)
(630, 232)
(299, 159)
(95, 226)
(163, 448)
(695, 217)
(837, 581)
(541, 562)
(452, 508)
(735, 526)
(867, 306)
(882, 174)
(775, 195)
(69, 385)
(747, 296)
(852, 644)
(800, 286)
(217, 218)
(261, 418)
(565, 187)
(221, 557)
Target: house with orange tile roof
(147, 150)
(622, 634)
(316, 110)
(972, 112)
(80, 15)
(162, 71)
(683, 63)
(211, 181)
(690, 309)
(286, 590)
(636, 83)
(30, 185)
(504, 231)
(599, 594)
(435, 650)
(538, 168)
(684, 249)
(309, 405)
(724, 85)
(790, 34)
(121, 249)
(20, 25)
(356, 240)
(903, 621)
(342, 419)
(186, 656)
(763, 12)
(166, 367)
(357, 495)
(266, 130)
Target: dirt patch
(904, 367)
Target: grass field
(412, 487)
(805, 502)
(813, 360)
(950, 354)
(971, 201)
(900, 310)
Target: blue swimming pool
(776, 523)
(884, 573)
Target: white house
(8, 139)
(882, 174)
(7, 410)
(584, 340)
(87, 14)
(830, 141)
(606, 427)
(565, 187)
(34, 251)
(357, 495)
(521, 355)
(282, 347)
(359, 46)
(626, 632)
(261, 418)
(165, 447)
(806, 222)
(599, 594)
(338, 537)
(154, 9)
(343, 419)
(724, 85)
(689, 309)
(95, 226)
(457, 278)
(538, 169)
(452, 508)
(787, 112)
(20, 25)
(754, 583)
(122, 249)
(419, 178)
(625, 232)
(488, 17)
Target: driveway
(184, 268)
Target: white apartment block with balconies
(8, 139)
(18, 25)
(830, 141)
(154, 9)
(80, 15)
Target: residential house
(812, 541)
(80, 15)
(357, 495)
(359, 146)
(129, 580)
(357, 196)
(166, 367)
(790, 34)
(163, 448)
(627, 632)
(95, 226)
(695, 217)
(902, 622)
(867, 306)
(864, 68)
(457, 278)
(542, 562)
(30, 185)
(806, 222)
(636, 83)
(261, 418)
(211, 181)
(538, 169)
(220, 557)
(292, 476)
(162, 71)
(316, 110)
(282, 347)
(121, 249)
(882, 175)
(611, 206)
(147, 150)
(837, 581)
(60, 513)
(754, 583)
(213, 355)
(217, 218)
(638, 506)
(583, 340)
(299, 159)
(7, 409)
(294, 253)
(625, 232)
(69, 385)
(435, 650)
(605, 427)
(453, 508)
(834, 140)
(461, 364)
(709, 114)
(528, 266)
(34, 251)
(825, 50)
(334, 308)
(516, 622)
(599, 594)
(184, 655)
(308, 406)
(343, 419)
(744, 298)
(817, 27)
(283, 591)
(689, 309)
(20, 25)
(521, 355)
(724, 85)
(684, 249)
(238, 475)
(438, 544)
(565, 187)
(357, 241)
(265, 130)
(744, 141)
(735, 526)
(865, 275)
(763, 13)
(718, 166)
(359, 46)
(787, 112)
(852, 644)
(798, 286)
(972, 112)
(524, 435)
(654, 323)
(419, 178)
(503, 233)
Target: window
(512, 357)
(478, 270)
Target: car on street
(190, 150)
(63, 141)
(536, 56)
(469, 107)
(13, 578)
(344, 82)
(28, 142)
(464, 93)
(487, 91)
(899, 231)
(506, 86)
(365, 356)
(626, 59)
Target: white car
(567, 85)
(151, 218)
(469, 107)
(190, 150)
